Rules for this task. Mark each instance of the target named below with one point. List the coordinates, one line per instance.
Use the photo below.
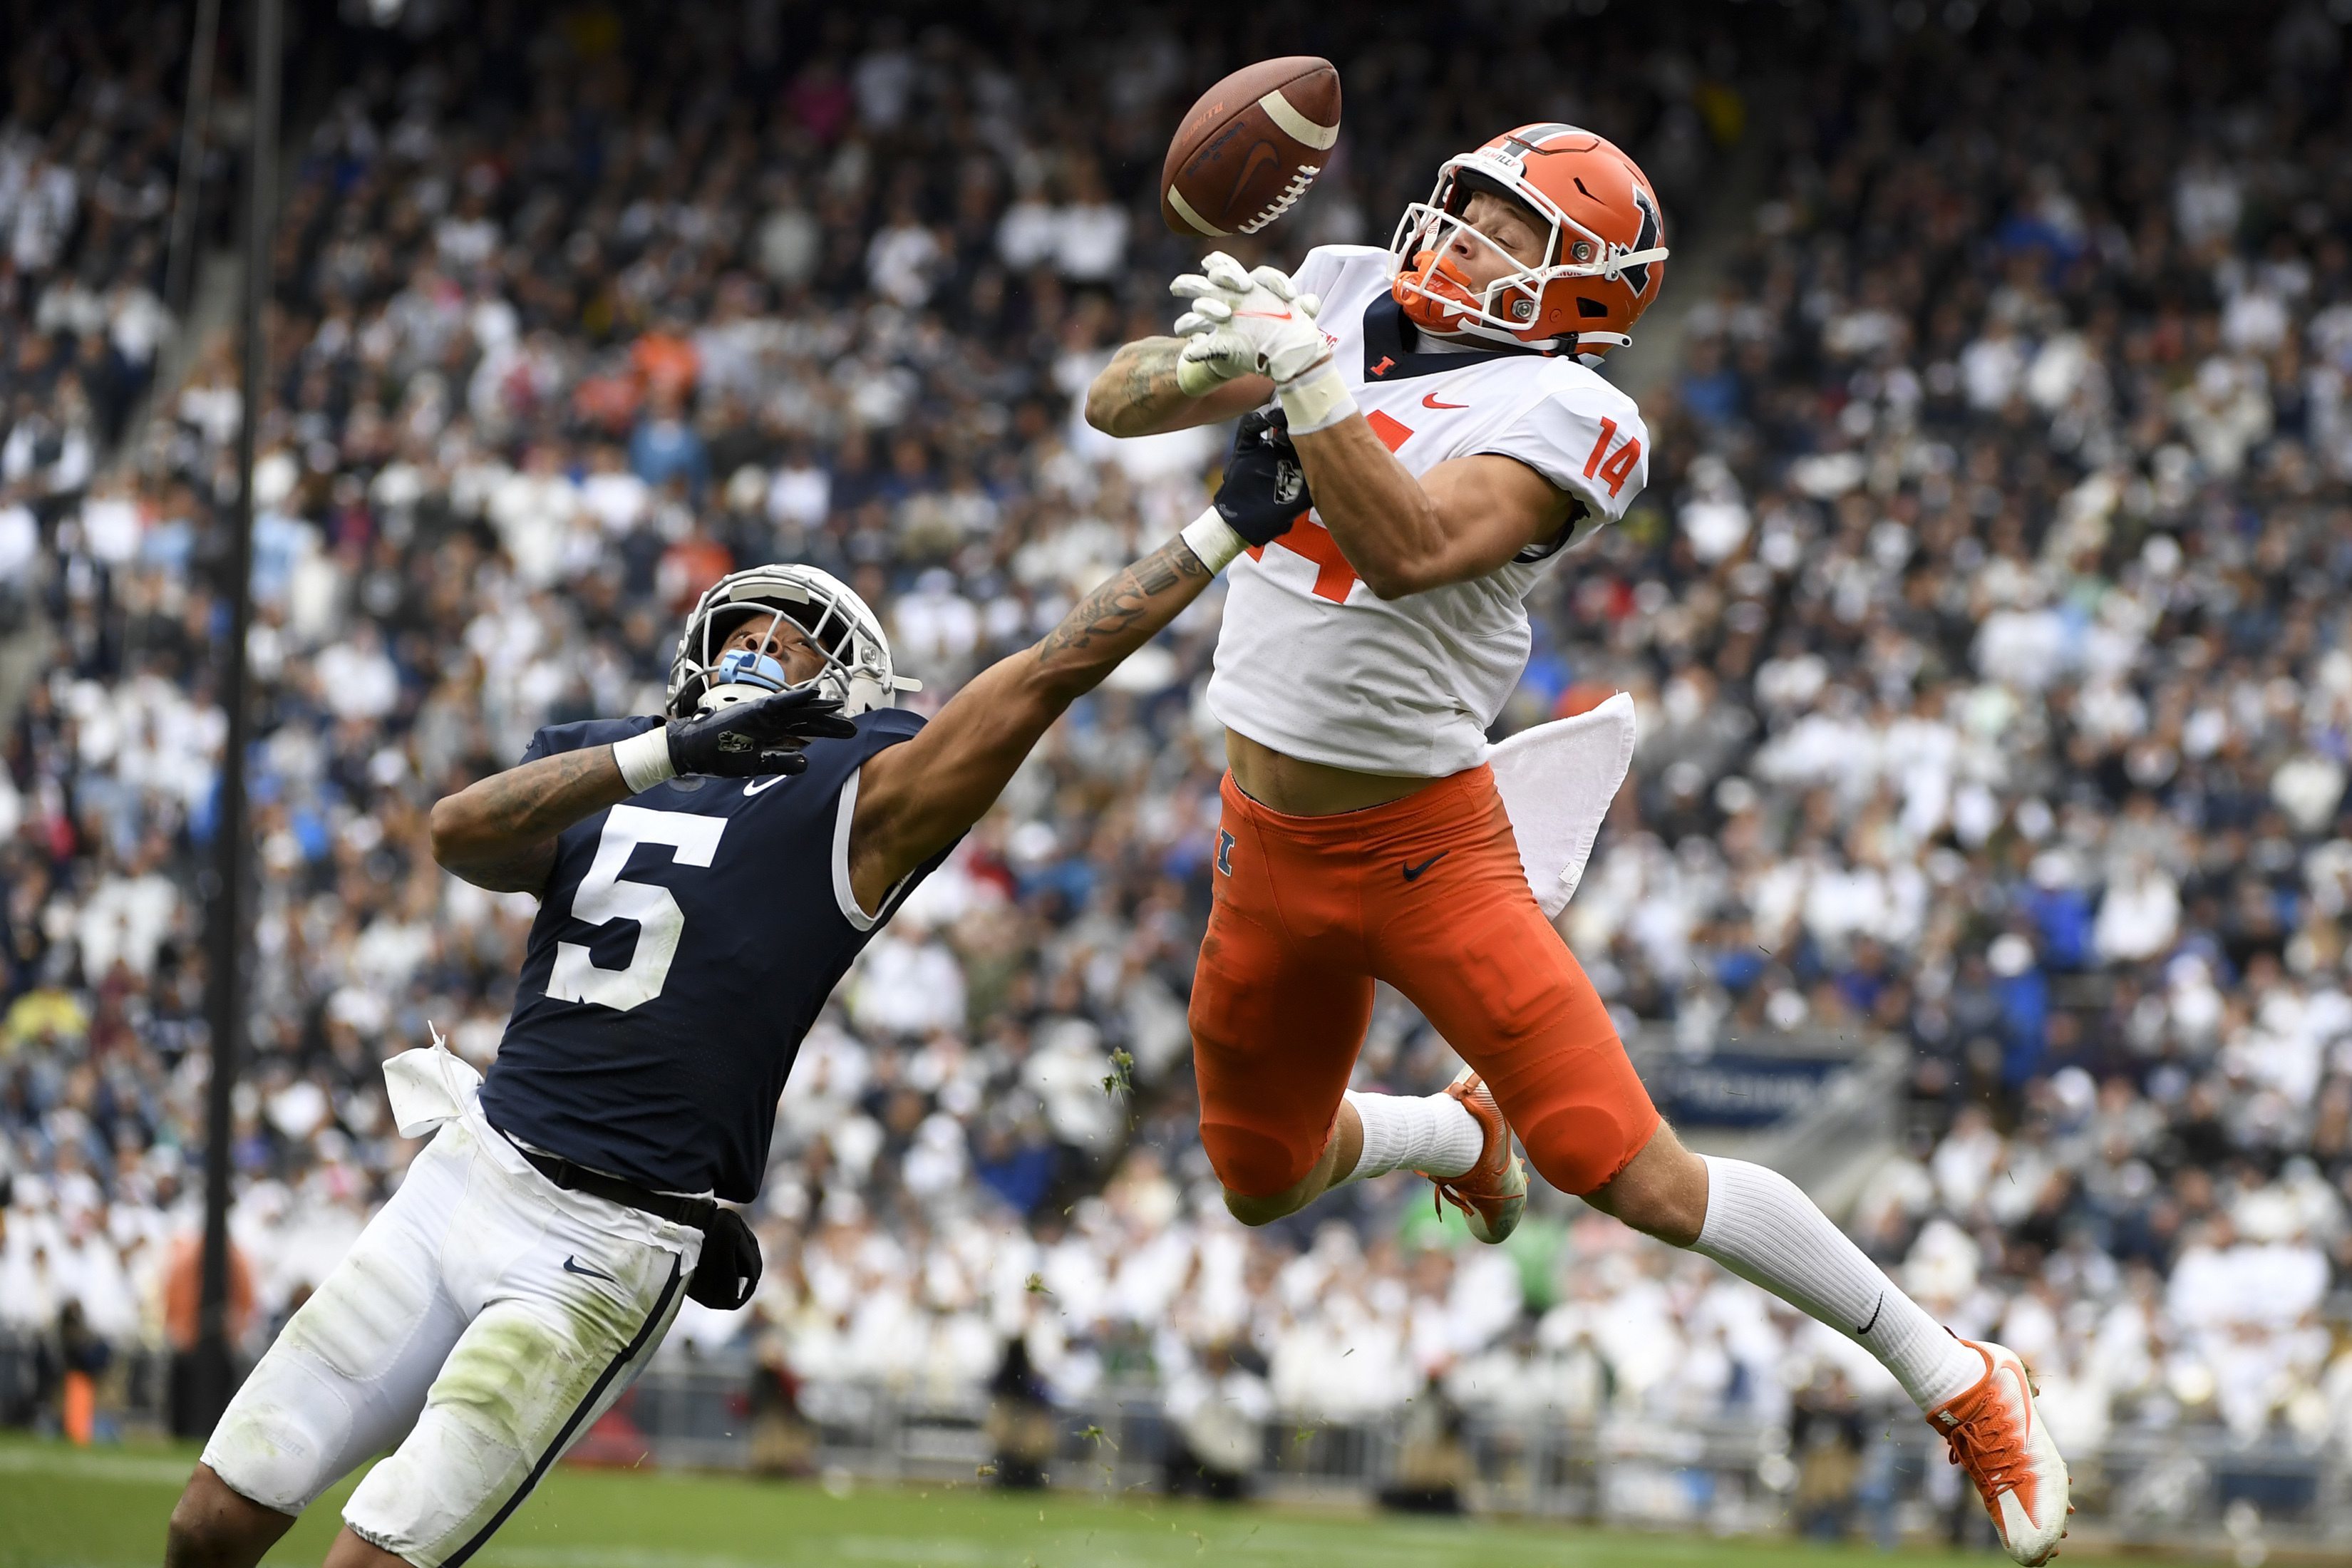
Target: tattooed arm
(1136, 395)
(913, 799)
(499, 832)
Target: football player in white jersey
(1454, 438)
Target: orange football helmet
(1603, 265)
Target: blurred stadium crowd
(1987, 616)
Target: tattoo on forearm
(1152, 375)
(1125, 600)
(504, 828)
(542, 800)
(1146, 385)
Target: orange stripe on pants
(1427, 894)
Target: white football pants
(482, 1323)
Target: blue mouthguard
(741, 666)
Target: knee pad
(282, 1440)
(1253, 1164)
(1580, 1148)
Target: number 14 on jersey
(1613, 469)
(1334, 577)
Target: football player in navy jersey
(704, 880)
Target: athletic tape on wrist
(645, 760)
(1317, 400)
(1212, 539)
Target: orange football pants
(1427, 894)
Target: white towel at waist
(429, 1086)
(1557, 781)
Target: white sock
(1761, 1227)
(1428, 1133)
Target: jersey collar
(1389, 356)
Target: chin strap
(1565, 342)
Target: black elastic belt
(571, 1178)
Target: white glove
(1257, 320)
(1212, 357)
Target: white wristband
(1212, 539)
(1317, 399)
(645, 759)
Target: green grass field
(60, 1508)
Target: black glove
(729, 1268)
(754, 738)
(1264, 490)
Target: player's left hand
(1264, 488)
(1212, 357)
(755, 739)
(1259, 313)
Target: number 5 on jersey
(603, 897)
(1613, 468)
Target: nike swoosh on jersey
(571, 1264)
(1429, 400)
(1412, 873)
(753, 787)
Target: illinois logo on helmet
(1603, 262)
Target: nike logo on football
(1259, 156)
(1874, 1315)
(571, 1264)
(1412, 873)
(754, 786)
(1429, 400)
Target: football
(1249, 149)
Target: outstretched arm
(914, 799)
(1137, 394)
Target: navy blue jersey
(685, 942)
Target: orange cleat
(1493, 1194)
(1997, 1437)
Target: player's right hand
(1264, 488)
(756, 739)
(1256, 318)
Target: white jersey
(1310, 661)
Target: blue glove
(1264, 488)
